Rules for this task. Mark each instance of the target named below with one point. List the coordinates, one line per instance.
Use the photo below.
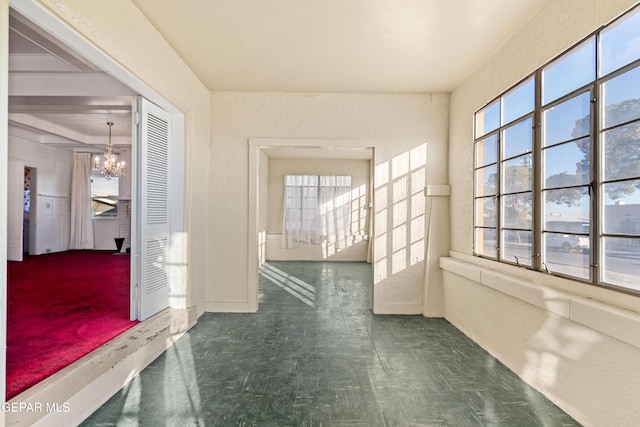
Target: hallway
(315, 355)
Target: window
(557, 164)
(104, 197)
(504, 179)
(316, 209)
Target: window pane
(518, 102)
(486, 212)
(567, 254)
(101, 186)
(567, 210)
(573, 70)
(486, 181)
(620, 262)
(567, 164)
(622, 152)
(487, 150)
(486, 243)
(620, 43)
(516, 210)
(518, 139)
(568, 120)
(622, 98)
(517, 247)
(517, 174)
(622, 207)
(104, 207)
(488, 119)
(104, 196)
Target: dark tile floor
(314, 355)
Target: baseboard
(69, 396)
(227, 307)
(397, 308)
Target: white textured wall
(403, 125)
(584, 384)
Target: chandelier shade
(109, 166)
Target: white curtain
(335, 209)
(81, 221)
(316, 209)
(300, 210)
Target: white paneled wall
(54, 220)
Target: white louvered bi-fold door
(154, 149)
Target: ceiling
(411, 46)
(60, 99)
(423, 46)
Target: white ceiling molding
(65, 84)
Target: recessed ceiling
(58, 98)
(422, 46)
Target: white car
(567, 242)
(567, 236)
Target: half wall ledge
(620, 323)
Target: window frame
(596, 233)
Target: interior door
(15, 208)
(151, 208)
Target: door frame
(15, 249)
(256, 145)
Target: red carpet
(60, 307)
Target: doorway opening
(271, 162)
(55, 117)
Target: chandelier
(110, 167)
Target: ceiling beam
(65, 84)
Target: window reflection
(486, 243)
(517, 211)
(486, 212)
(618, 270)
(622, 98)
(488, 119)
(619, 43)
(487, 181)
(622, 212)
(104, 197)
(579, 63)
(518, 102)
(517, 174)
(568, 120)
(517, 246)
(518, 139)
(622, 152)
(567, 164)
(487, 150)
(562, 206)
